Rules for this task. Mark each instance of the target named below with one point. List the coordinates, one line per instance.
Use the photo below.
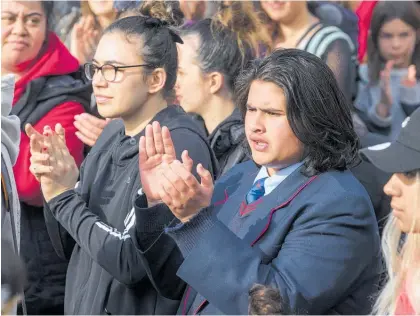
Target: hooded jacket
(10, 210)
(228, 141)
(50, 92)
(120, 263)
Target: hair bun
(155, 22)
(168, 11)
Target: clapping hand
(181, 191)
(385, 77)
(84, 39)
(165, 179)
(384, 107)
(155, 146)
(411, 79)
(51, 162)
(89, 128)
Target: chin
(105, 112)
(261, 159)
(188, 108)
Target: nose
(98, 80)
(19, 28)
(256, 122)
(391, 187)
(176, 87)
(396, 42)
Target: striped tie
(257, 191)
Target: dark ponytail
(158, 36)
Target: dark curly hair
(317, 110)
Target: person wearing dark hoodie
(47, 91)
(212, 56)
(120, 262)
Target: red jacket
(56, 60)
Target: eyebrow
(399, 33)
(109, 62)
(266, 109)
(27, 15)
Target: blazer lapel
(279, 196)
(236, 194)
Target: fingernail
(76, 117)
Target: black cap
(402, 155)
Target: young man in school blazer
(295, 218)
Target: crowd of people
(210, 157)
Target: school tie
(257, 191)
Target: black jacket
(228, 141)
(119, 265)
(44, 293)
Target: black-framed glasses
(109, 72)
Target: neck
(106, 20)
(135, 122)
(273, 169)
(216, 111)
(17, 74)
(296, 26)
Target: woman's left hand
(56, 169)
(410, 80)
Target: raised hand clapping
(51, 162)
(411, 79)
(165, 179)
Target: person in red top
(47, 91)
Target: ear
(216, 81)
(156, 80)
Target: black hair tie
(155, 22)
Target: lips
(276, 5)
(18, 44)
(258, 144)
(101, 99)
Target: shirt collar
(272, 182)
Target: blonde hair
(401, 257)
(242, 19)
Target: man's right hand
(90, 127)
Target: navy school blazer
(314, 239)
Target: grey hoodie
(10, 139)
(405, 101)
(10, 131)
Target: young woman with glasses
(120, 262)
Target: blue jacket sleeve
(319, 262)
